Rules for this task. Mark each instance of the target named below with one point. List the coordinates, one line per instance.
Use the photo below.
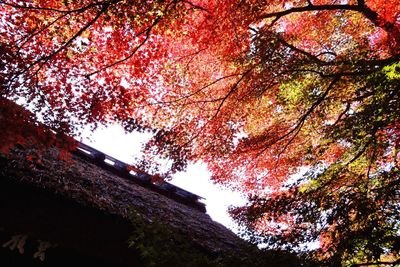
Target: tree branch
(361, 7)
(296, 129)
(147, 34)
(196, 6)
(309, 8)
(43, 60)
(231, 91)
(146, 31)
(36, 8)
(182, 98)
(364, 148)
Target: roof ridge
(138, 176)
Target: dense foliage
(258, 90)
(162, 245)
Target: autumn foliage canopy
(259, 90)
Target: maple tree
(260, 91)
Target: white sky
(125, 147)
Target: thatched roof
(92, 186)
